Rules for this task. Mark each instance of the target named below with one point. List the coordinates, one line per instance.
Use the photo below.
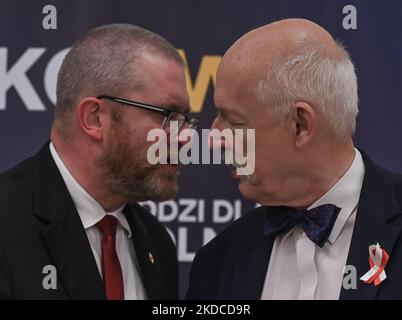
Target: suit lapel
(63, 232)
(377, 206)
(252, 264)
(150, 268)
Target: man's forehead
(228, 102)
(232, 82)
(175, 98)
(164, 80)
(236, 74)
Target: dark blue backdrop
(208, 199)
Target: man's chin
(165, 190)
(155, 196)
(164, 196)
(170, 169)
(247, 190)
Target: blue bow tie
(317, 223)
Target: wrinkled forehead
(235, 90)
(249, 60)
(240, 70)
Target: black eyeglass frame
(189, 118)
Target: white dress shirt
(91, 212)
(299, 269)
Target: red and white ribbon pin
(377, 260)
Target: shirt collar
(89, 210)
(344, 194)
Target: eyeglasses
(169, 114)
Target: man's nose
(216, 124)
(215, 139)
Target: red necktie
(111, 269)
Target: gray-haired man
(324, 203)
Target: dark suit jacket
(234, 264)
(40, 226)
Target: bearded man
(70, 224)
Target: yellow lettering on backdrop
(206, 72)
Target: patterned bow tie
(317, 223)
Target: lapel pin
(151, 258)
(378, 260)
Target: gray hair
(327, 83)
(103, 61)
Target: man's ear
(89, 117)
(304, 123)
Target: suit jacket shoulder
(221, 266)
(246, 229)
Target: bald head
(291, 60)
(257, 49)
